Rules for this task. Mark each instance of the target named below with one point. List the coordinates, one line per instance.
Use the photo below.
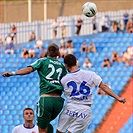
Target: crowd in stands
(67, 45)
(127, 58)
(88, 47)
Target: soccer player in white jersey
(28, 126)
(77, 114)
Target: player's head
(28, 114)
(70, 61)
(53, 50)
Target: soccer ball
(89, 9)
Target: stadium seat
(13, 112)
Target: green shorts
(48, 109)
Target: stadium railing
(44, 30)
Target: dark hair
(28, 109)
(70, 60)
(53, 50)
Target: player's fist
(122, 100)
(7, 74)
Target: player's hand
(7, 74)
(122, 100)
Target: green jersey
(50, 71)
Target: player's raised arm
(22, 71)
(106, 88)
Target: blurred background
(103, 43)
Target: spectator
(42, 53)
(87, 63)
(126, 58)
(79, 24)
(120, 26)
(69, 42)
(25, 53)
(115, 57)
(32, 37)
(114, 26)
(32, 53)
(130, 51)
(129, 26)
(106, 62)
(63, 51)
(63, 28)
(28, 126)
(94, 24)
(105, 23)
(9, 48)
(9, 39)
(62, 42)
(39, 43)
(13, 31)
(126, 17)
(92, 47)
(70, 50)
(1, 44)
(84, 47)
(55, 24)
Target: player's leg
(47, 110)
(65, 120)
(43, 114)
(82, 119)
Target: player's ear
(66, 66)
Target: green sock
(50, 128)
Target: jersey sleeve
(96, 79)
(36, 65)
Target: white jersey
(23, 129)
(78, 86)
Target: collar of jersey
(52, 58)
(28, 127)
(75, 71)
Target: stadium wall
(17, 10)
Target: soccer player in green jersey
(50, 71)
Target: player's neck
(73, 69)
(29, 124)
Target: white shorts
(74, 118)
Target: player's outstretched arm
(106, 88)
(23, 71)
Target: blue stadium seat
(13, 112)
